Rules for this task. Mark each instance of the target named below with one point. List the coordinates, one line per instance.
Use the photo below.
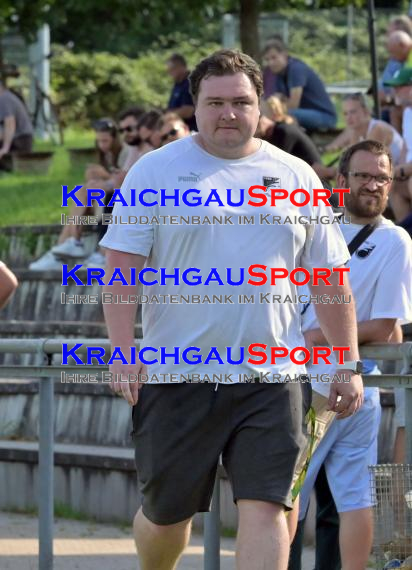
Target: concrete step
(84, 414)
(39, 298)
(96, 481)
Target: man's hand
(125, 380)
(3, 152)
(350, 390)
(310, 339)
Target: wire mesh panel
(391, 488)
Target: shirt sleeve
(186, 98)
(6, 108)
(297, 74)
(394, 299)
(135, 233)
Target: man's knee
(158, 531)
(259, 512)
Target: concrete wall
(105, 493)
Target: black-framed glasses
(366, 177)
(171, 133)
(128, 129)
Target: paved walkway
(90, 546)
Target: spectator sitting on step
(281, 130)
(131, 123)
(107, 175)
(306, 96)
(16, 130)
(8, 284)
(389, 112)
(401, 195)
(128, 121)
(171, 128)
(141, 134)
(399, 46)
(361, 126)
(181, 101)
(148, 131)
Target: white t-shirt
(381, 281)
(184, 164)
(407, 132)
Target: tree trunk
(2, 74)
(249, 27)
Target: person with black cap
(401, 199)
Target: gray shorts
(181, 430)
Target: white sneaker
(69, 248)
(96, 259)
(46, 262)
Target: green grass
(36, 199)
(63, 511)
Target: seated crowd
(295, 105)
(119, 147)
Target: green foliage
(24, 16)
(89, 86)
(36, 199)
(319, 37)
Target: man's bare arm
(338, 323)
(374, 330)
(8, 134)
(8, 283)
(295, 96)
(120, 319)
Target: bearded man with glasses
(381, 279)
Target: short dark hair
(168, 117)
(135, 112)
(275, 43)
(177, 58)
(373, 147)
(149, 120)
(226, 62)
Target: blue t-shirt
(391, 68)
(314, 96)
(181, 96)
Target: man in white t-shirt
(181, 431)
(381, 280)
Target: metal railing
(49, 372)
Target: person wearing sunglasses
(172, 128)
(129, 129)
(112, 154)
